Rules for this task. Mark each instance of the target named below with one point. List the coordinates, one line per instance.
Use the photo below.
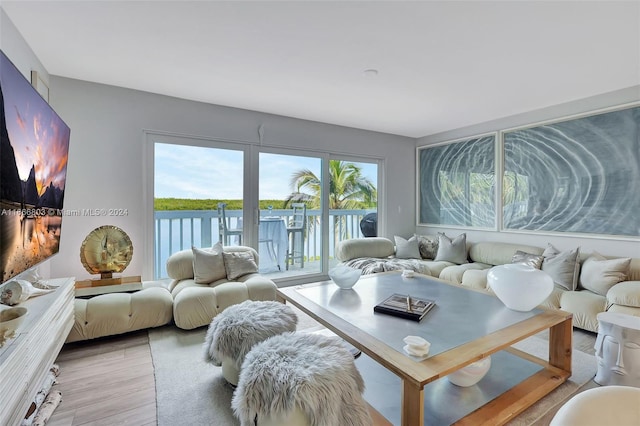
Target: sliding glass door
(198, 198)
(290, 201)
(292, 207)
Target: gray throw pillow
(238, 264)
(208, 265)
(407, 249)
(454, 251)
(428, 246)
(563, 267)
(598, 274)
(524, 258)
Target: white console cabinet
(26, 359)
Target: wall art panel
(457, 183)
(578, 176)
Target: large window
(293, 211)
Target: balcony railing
(177, 230)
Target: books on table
(405, 306)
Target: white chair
(224, 229)
(606, 405)
(296, 231)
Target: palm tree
(348, 189)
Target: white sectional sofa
(191, 299)
(195, 304)
(613, 292)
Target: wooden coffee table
(464, 327)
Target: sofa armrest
(354, 248)
(625, 293)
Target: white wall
(604, 245)
(18, 51)
(106, 157)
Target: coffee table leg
(412, 404)
(560, 344)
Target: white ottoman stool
(300, 379)
(116, 313)
(233, 332)
(618, 349)
(608, 405)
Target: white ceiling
(441, 64)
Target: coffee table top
(464, 326)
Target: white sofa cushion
(599, 274)
(452, 250)
(208, 265)
(626, 293)
(564, 267)
(585, 306)
(499, 253)
(407, 249)
(364, 247)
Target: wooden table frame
(415, 375)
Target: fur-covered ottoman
(300, 379)
(233, 332)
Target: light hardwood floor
(110, 381)
(106, 381)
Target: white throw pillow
(599, 274)
(454, 251)
(208, 265)
(238, 264)
(563, 267)
(407, 249)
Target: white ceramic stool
(234, 331)
(618, 349)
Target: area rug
(190, 391)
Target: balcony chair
(224, 231)
(296, 230)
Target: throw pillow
(562, 266)
(599, 274)
(524, 258)
(208, 265)
(238, 264)
(407, 249)
(428, 246)
(454, 251)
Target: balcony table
(273, 229)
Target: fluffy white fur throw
(313, 372)
(234, 331)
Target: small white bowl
(471, 374)
(12, 318)
(345, 277)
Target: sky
(211, 173)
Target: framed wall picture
(457, 183)
(579, 175)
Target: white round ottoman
(618, 349)
(233, 332)
(299, 379)
(607, 405)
